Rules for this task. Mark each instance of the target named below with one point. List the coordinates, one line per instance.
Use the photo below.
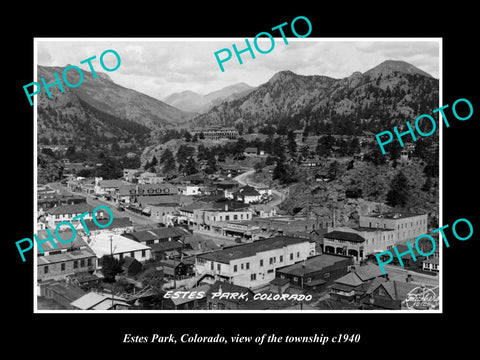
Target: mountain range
(191, 101)
(100, 110)
(384, 96)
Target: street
(242, 179)
(400, 274)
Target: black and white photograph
(211, 180)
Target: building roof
(96, 301)
(68, 292)
(165, 246)
(368, 272)
(250, 149)
(65, 256)
(350, 279)
(313, 264)
(157, 234)
(251, 249)
(116, 223)
(432, 261)
(111, 183)
(78, 242)
(79, 208)
(394, 215)
(342, 235)
(100, 244)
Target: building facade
(253, 265)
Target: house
(247, 194)
(215, 303)
(57, 263)
(131, 266)
(67, 212)
(431, 264)
(108, 243)
(96, 301)
(250, 151)
(253, 264)
(50, 201)
(316, 272)
(147, 177)
(176, 268)
(166, 250)
(322, 176)
(107, 187)
(83, 279)
(385, 294)
(188, 302)
(349, 286)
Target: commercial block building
(253, 265)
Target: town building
(119, 246)
(63, 213)
(129, 193)
(119, 226)
(107, 187)
(96, 301)
(348, 287)
(217, 133)
(407, 226)
(253, 265)
(316, 272)
(247, 194)
(56, 263)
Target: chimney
(387, 277)
(409, 278)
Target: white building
(253, 265)
(407, 226)
(58, 214)
(106, 243)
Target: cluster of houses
(271, 254)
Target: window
(143, 253)
(291, 256)
(235, 217)
(82, 263)
(326, 275)
(261, 262)
(62, 266)
(270, 271)
(247, 266)
(89, 262)
(295, 279)
(120, 256)
(132, 254)
(45, 269)
(211, 266)
(75, 264)
(298, 254)
(253, 277)
(309, 279)
(227, 217)
(218, 267)
(381, 291)
(241, 216)
(235, 268)
(241, 266)
(281, 258)
(271, 260)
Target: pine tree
(168, 160)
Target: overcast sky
(161, 67)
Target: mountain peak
(389, 66)
(281, 75)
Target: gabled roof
(368, 272)
(111, 183)
(116, 223)
(165, 246)
(342, 235)
(350, 279)
(95, 301)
